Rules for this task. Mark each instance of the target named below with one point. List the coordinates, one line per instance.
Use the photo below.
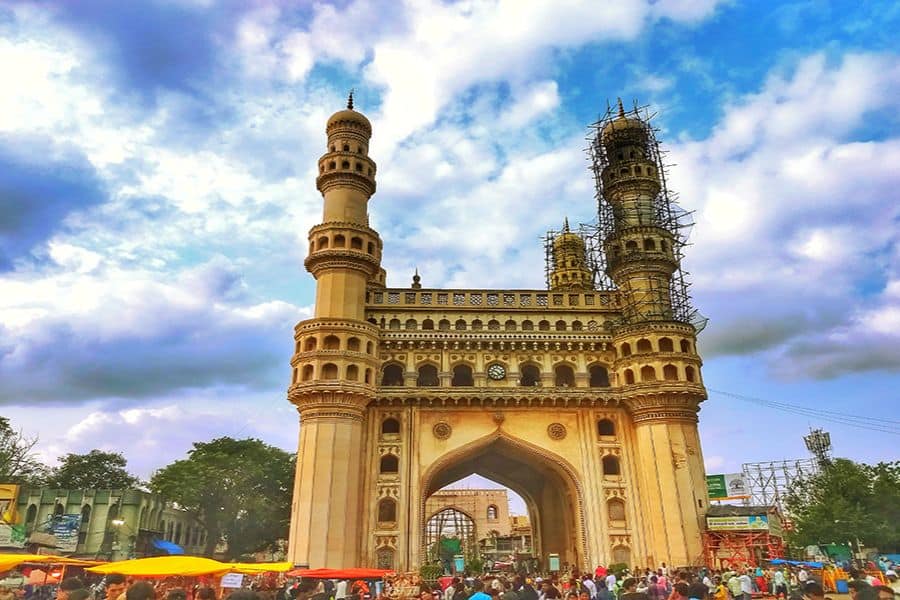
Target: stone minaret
(570, 270)
(335, 358)
(660, 382)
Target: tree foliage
(847, 501)
(95, 470)
(240, 490)
(18, 462)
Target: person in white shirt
(802, 576)
(611, 582)
(589, 585)
(340, 590)
(746, 585)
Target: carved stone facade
(577, 399)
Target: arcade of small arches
(479, 325)
(463, 375)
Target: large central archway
(548, 485)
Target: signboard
(12, 536)
(730, 486)
(9, 494)
(232, 580)
(752, 522)
(64, 529)
(553, 559)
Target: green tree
(847, 501)
(18, 462)
(96, 469)
(239, 490)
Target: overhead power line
(878, 424)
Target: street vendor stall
(185, 566)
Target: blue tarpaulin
(168, 546)
(808, 563)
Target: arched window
(387, 510)
(631, 246)
(460, 325)
(394, 324)
(599, 376)
(527, 325)
(492, 513)
(331, 342)
(531, 375)
(353, 344)
(665, 345)
(346, 148)
(577, 326)
(390, 426)
(444, 325)
(86, 514)
(648, 373)
(615, 508)
(564, 376)
(428, 376)
(310, 344)
(323, 242)
(689, 373)
(427, 324)
(611, 465)
(685, 346)
(477, 325)
(392, 375)
(670, 373)
(462, 376)
(307, 373)
(368, 376)
(329, 371)
(370, 248)
(369, 347)
(649, 245)
(340, 241)
(606, 427)
(356, 243)
(494, 325)
(177, 539)
(663, 246)
(30, 514)
(643, 345)
(510, 325)
(352, 373)
(544, 326)
(629, 376)
(560, 325)
(626, 349)
(411, 324)
(345, 164)
(389, 464)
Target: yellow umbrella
(11, 561)
(254, 568)
(161, 566)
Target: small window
(599, 376)
(564, 376)
(310, 344)
(368, 378)
(492, 513)
(494, 325)
(689, 373)
(394, 324)
(544, 326)
(370, 248)
(444, 325)
(629, 376)
(649, 245)
(352, 373)
(611, 465)
(323, 242)
(390, 426)
(685, 346)
(527, 325)
(606, 427)
(531, 376)
(462, 376)
(670, 373)
(356, 243)
(577, 326)
(631, 246)
(560, 325)
(353, 344)
(329, 371)
(460, 325)
(389, 464)
(626, 349)
(411, 324)
(307, 373)
(340, 241)
(615, 508)
(427, 324)
(428, 376)
(666, 345)
(477, 325)
(643, 345)
(387, 510)
(510, 325)
(648, 373)
(346, 148)
(345, 164)
(392, 375)
(369, 347)
(331, 342)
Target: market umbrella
(11, 561)
(162, 566)
(254, 568)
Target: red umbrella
(355, 573)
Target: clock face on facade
(496, 372)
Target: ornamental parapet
(331, 395)
(345, 177)
(342, 258)
(492, 300)
(347, 325)
(626, 331)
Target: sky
(157, 167)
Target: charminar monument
(582, 397)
